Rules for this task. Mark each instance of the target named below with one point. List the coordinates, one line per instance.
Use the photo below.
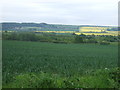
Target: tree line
(55, 38)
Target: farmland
(56, 28)
(29, 64)
(41, 55)
(112, 33)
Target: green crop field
(40, 64)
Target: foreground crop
(58, 65)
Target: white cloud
(99, 12)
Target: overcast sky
(74, 12)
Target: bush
(104, 43)
(27, 37)
(98, 79)
(91, 41)
(24, 36)
(10, 36)
(78, 39)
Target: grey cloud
(103, 12)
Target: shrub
(91, 41)
(27, 37)
(104, 43)
(97, 79)
(22, 36)
(78, 39)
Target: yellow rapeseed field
(113, 33)
(93, 29)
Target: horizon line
(56, 23)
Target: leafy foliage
(56, 38)
(79, 39)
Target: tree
(73, 34)
(78, 39)
(82, 35)
(6, 31)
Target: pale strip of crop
(101, 28)
(113, 34)
(95, 32)
(56, 31)
(87, 30)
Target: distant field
(93, 29)
(113, 33)
(65, 60)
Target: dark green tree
(79, 39)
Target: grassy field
(40, 64)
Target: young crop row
(65, 60)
